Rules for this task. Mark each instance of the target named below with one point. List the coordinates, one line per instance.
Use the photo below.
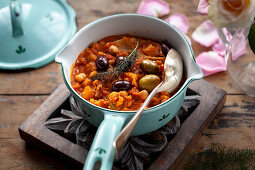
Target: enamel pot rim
(177, 94)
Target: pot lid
(32, 31)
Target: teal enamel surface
(32, 32)
(102, 148)
(108, 120)
(15, 10)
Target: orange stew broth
(99, 92)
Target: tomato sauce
(103, 56)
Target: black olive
(119, 59)
(165, 48)
(102, 63)
(121, 86)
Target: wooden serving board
(35, 132)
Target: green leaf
(251, 38)
(219, 157)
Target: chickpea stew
(131, 67)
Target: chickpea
(123, 93)
(113, 50)
(143, 94)
(91, 66)
(93, 73)
(80, 77)
(92, 57)
(120, 101)
(114, 96)
(87, 93)
(87, 82)
(100, 53)
(111, 62)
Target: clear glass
(241, 70)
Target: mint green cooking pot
(110, 122)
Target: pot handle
(102, 146)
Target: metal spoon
(173, 69)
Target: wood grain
(193, 125)
(41, 81)
(26, 157)
(190, 130)
(16, 154)
(18, 87)
(236, 123)
(15, 110)
(46, 79)
(234, 126)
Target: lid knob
(16, 10)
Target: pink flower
(237, 13)
(203, 7)
(156, 8)
(180, 21)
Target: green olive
(149, 82)
(149, 67)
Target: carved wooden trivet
(139, 151)
(34, 131)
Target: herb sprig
(219, 157)
(120, 67)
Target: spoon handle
(122, 138)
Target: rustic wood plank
(234, 126)
(33, 129)
(42, 137)
(46, 79)
(15, 110)
(230, 136)
(40, 81)
(211, 101)
(226, 133)
(16, 154)
(238, 133)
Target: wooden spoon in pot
(173, 70)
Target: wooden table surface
(22, 92)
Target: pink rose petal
(156, 8)
(180, 21)
(206, 34)
(203, 7)
(239, 46)
(211, 63)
